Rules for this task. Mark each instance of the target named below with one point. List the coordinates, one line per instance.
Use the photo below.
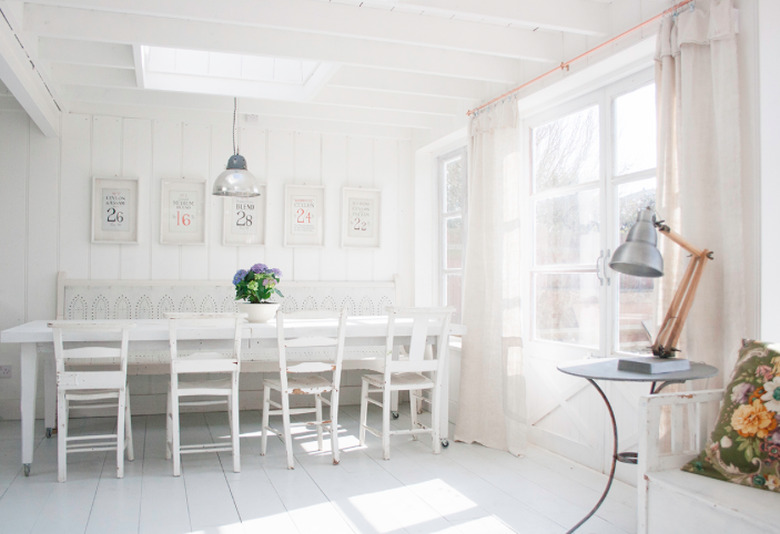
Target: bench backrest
(151, 299)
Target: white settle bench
(82, 299)
(673, 429)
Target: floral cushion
(744, 447)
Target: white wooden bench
(151, 299)
(673, 429)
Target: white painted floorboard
(466, 489)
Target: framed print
(360, 217)
(244, 220)
(303, 215)
(183, 212)
(114, 210)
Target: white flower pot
(260, 312)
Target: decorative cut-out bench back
(145, 299)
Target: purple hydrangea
(276, 272)
(259, 267)
(240, 274)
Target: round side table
(607, 369)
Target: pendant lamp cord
(235, 111)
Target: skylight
(219, 73)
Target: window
(453, 172)
(592, 168)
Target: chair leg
(318, 419)
(334, 427)
(386, 406)
(168, 427)
(287, 432)
(435, 420)
(62, 436)
(266, 418)
(120, 435)
(413, 411)
(363, 412)
(234, 431)
(128, 427)
(175, 436)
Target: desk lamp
(638, 256)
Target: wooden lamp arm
(671, 328)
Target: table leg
(49, 394)
(615, 458)
(29, 380)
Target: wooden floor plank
(466, 488)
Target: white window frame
(444, 216)
(603, 97)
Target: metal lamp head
(236, 180)
(639, 256)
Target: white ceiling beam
(575, 16)
(426, 105)
(80, 75)
(24, 80)
(415, 84)
(335, 19)
(137, 29)
(88, 75)
(86, 53)
(83, 97)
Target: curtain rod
(565, 64)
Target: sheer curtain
(700, 182)
(491, 408)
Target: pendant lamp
(236, 180)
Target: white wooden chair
(306, 376)
(92, 376)
(205, 364)
(417, 371)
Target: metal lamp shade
(236, 180)
(639, 256)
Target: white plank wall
(45, 214)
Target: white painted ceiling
(349, 65)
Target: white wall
(769, 87)
(45, 208)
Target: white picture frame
(360, 217)
(244, 219)
(304, 215)
(183, 212)
(115, 210)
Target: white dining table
(151, 337)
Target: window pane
(454, 292)
(566, 151)
(636, 303)
(567, 229)
(635, 131)
(455, 181)
(567, 308)
(454, 243)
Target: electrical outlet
(5, 371)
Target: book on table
(653, 364)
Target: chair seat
(401, 381)
(301, 384)
(213, 386)
(91, 394)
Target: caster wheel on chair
(395, 415)
(445, 443)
